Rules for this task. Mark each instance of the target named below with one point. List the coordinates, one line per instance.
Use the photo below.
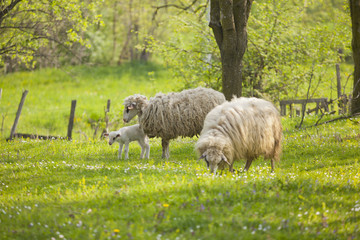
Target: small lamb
(129, 134)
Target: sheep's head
(133, 106)
(215, 159)
(112, 137)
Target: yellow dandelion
(166, 205)
(116, 230)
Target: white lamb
(244, 128)
(169, 116)
(128, 134)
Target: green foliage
(288, 41)
(191, 52)
(129, 27)
(34, 25)
(287, 44)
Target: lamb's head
(133, 106)
(112, 137)
(215, 159)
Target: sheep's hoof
(237, 171)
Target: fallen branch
(35, 136)
(333, 120)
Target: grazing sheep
(171, 115)
(128, 134)
(244, 128)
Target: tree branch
(183, 8)
(215, 23)
(307, 96)
(59, 43)
(7, 9)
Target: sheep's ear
(132, 106)
(118, 135)
(225, 160)
(106, 134)
(202, 156)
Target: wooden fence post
(338, 78)
(71, 119)
(349, 103)
(282, 108)
(341, 99)
(106, 115)
(13, 129)
(106, 119)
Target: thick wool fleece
(244, 128)
(175, 114)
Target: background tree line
(286, 42)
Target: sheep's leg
(120, 150)
(165, 148)
(231, 169)
(272, 165)
(248, 164)
(168, 151)
(145, 148)
(126, 151)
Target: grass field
(80, 190)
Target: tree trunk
(126, 51)
(355, 18)
(114, 32)
(228, 20)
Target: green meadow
(78, 189)
(47, 106)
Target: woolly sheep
(244, 128)
(128, 134)
(171, 115)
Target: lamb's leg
(248, 164)
(120, 150)
(165, 148)
(126, 151)
(147, 150)
(142, 145)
